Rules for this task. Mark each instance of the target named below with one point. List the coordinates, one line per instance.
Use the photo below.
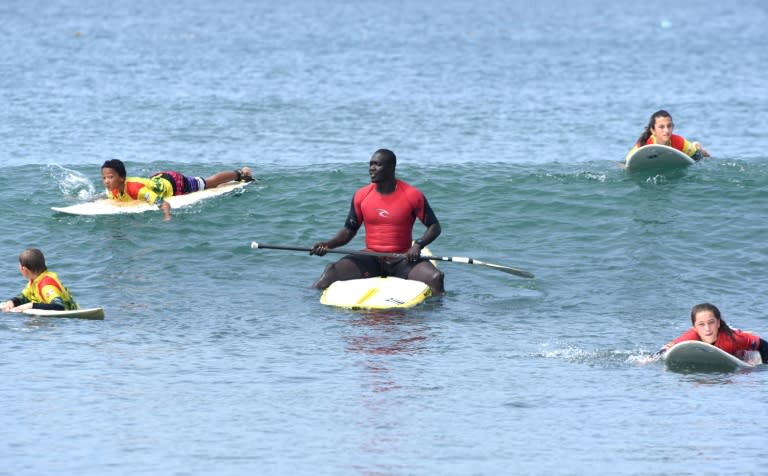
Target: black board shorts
(371, 266)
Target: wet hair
(33, 260)
(116, 165)
(648, 131)
(705, 306)
(388, 154)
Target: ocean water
(218, 359)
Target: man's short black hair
(388, 154)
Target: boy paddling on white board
(43, 291)
(709, 327)
(659, 131)
(388, 207)
(158, 187)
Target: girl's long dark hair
(705, 306)
(648, 131)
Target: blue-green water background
(510, 116)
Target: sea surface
(511, 116)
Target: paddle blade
(507, 269)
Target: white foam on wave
(71, 182)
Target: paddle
(455, 259)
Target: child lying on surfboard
(161, 185)
(709, 327)
(659, 131)
(43, 291)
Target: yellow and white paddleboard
(375, 293)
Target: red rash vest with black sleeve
(735, 345)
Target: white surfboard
(88, 313)
(696, 355)
(657, 156)
(375, 293)
(107, 206)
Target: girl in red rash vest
(709, 327)
(659, 131)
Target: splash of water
(72, 184)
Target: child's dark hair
(705, 306)
(33, 260)
(116, 165)
(647, 132)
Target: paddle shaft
(454, 259)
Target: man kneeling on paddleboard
(388, 207)
(161, 185)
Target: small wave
(72, 184)
(596, 356)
